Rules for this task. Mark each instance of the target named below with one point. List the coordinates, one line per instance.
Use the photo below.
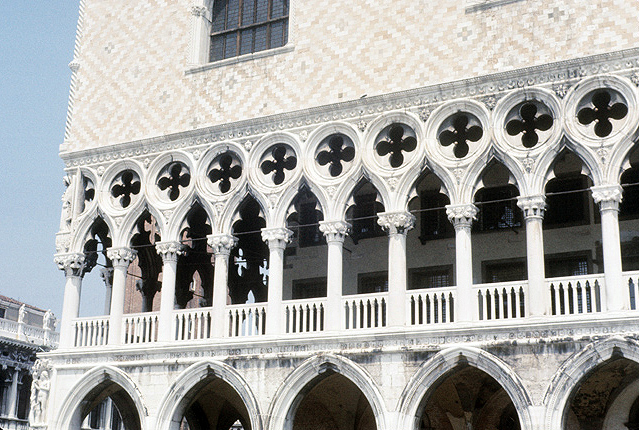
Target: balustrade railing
(193, 324)
(8, 326)
(504, 300)
(575, 295)
(140, 328)
(92, 331)
(431, 306)
(304, 316)
(365, 311)
(247, 319)
(13, 424)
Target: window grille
(246, 26)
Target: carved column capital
(532, 206)
(222, 244)
(607, 196)
(121, 256)
(170, 251)
(335, 231)
(71, 263)
(462, 215)
(276, 237)
(396, 222)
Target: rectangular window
(309, 288)
(2, 312)
(376, 282)
(241, 27)
(430, 277)
(567, 265)
(504, 271)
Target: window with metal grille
(241, 27)
(376, 282)
(430, 277)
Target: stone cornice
(487, 88)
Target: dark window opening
(430, 277)
(629, 207)
(241, 27)
(2, 312)
(376, 282)
(567, 265)
(497, 209)
(309, 232)
(364, 221)
(504, 271)
(567, 202)
(434, 221)
(309, 288)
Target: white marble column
(73, 266)
(335, 233)
(462, 217)
(121, 258)
(534, 207)
(106, 273)
(396, 224)
(222, 245)
(170, 251)
(12, 401)
(276, 238)
(200, 33)
(608, 197)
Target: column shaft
(73, 266)
(277, 238)
(222, 246)
(12, 403)
(335, 233)
(121, 258)
(538, 299)
(169, 252)
(462, 217)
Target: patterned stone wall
(133, 79)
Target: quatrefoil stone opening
(173, 178)
(125, 187)
(335, 154)
(394, 143)
(459, 132)
(225, 170)
(602, 110)
(278, 162)
(529, 123)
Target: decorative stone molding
(170, 251)
(607, 197)
(74, 65)
(462, 215)
(199, 11)
(335, 231)
(121, 256)
(396, 222)
(72, 263)
(532, 206)
(276, 237)
(222, 244)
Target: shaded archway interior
(467, 398)
(332, 402)
(93, 404)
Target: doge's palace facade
(351, 215)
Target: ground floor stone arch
(93, 388)
(306, 388)
(504, 397)
(209, 394)
(597, 388)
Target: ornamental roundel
(459, 134)
(529, 124)
(601, 112)
(277, 164)
(334, 155)
(395, 146)
(173, 180)
(125, 189)
(224, 172)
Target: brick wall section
(132, 81)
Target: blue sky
(36, 45)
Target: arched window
(241, 27)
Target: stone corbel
(222, 244)
(462, 215)
(607, 197)
(277, 237)
(170, 251)
(396, 222)
(334, 231)
(71, 263)
(532, 206)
